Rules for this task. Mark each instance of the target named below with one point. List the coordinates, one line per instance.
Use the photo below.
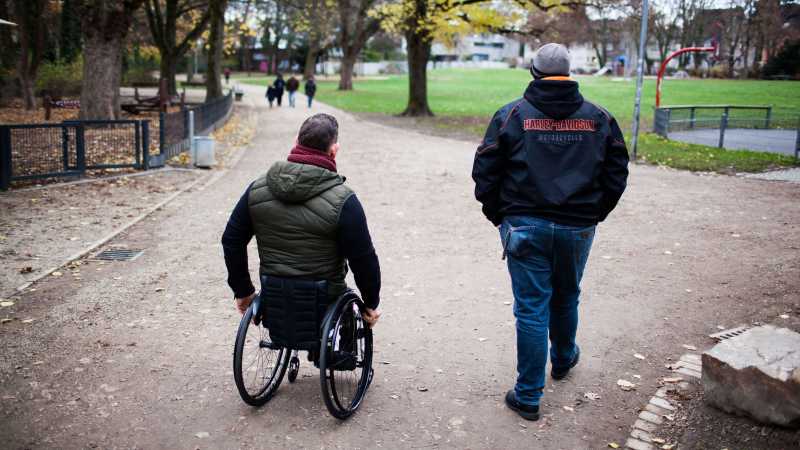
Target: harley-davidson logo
(559, 125)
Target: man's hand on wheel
(243, 303)
(371, 316)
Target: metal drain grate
(727, 334)
(119, 254)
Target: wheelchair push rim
(258, 365)
(345, 357)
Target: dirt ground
(138, 354)
(39, 228)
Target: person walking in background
(279, 85)
(270, 95)
(311, 89)
(550, 167)
(291, 87)
(227, 75)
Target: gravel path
(138, 354)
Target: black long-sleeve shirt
(353, 239)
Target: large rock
(757, 374)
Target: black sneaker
(560, 374)
(527, 412)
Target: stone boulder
(756, 374)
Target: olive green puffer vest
(295, 211)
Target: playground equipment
(712, 49)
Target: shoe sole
(524, 414)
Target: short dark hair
(319, 132)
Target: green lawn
(474, 92)
(467, 98)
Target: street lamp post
(637, 107)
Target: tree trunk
(100, 89)
(310, 65)
(215, 46)
(346, 71)
(169, 67)
(29, 16)
(419, 50)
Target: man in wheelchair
(309, 226)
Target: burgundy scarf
(307, 155)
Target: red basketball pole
(666, 61)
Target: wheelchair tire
(257, 385)
(345, 364)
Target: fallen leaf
(6, 303)
(202, 434)
(482, 339)
(592, 396)
(613, 445)
(422, 389)
(56, 274)
(394, 396)
(658, 440)
(6, 320)
(27, 320)
(669, 417)
(672, 379)
(159, 289)
(784, 316)
(639, 356)
(569, 408)
(625, 385)
(26, 269)
(638, 377)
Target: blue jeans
(310, 99)
(545, 261)
(291, 98)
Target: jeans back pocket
(517, 241)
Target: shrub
(59, 78)
(139, 76)
(786, 64)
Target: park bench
(49, 103)
(159, 102)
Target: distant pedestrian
(227, 75)
(270, 95)
(291, 87)
(311, 89)
(279, 84)
(550, 167)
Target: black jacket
(552, 155)
(311, 88)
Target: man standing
(550, 167)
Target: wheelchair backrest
(292, 309)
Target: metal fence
(70, 148)
(682, 118)
(675, 119)
(174, 127)
(38, 151)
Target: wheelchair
(289, 316)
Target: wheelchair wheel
(258, 364)
(345, 364)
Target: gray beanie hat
(550, 60)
